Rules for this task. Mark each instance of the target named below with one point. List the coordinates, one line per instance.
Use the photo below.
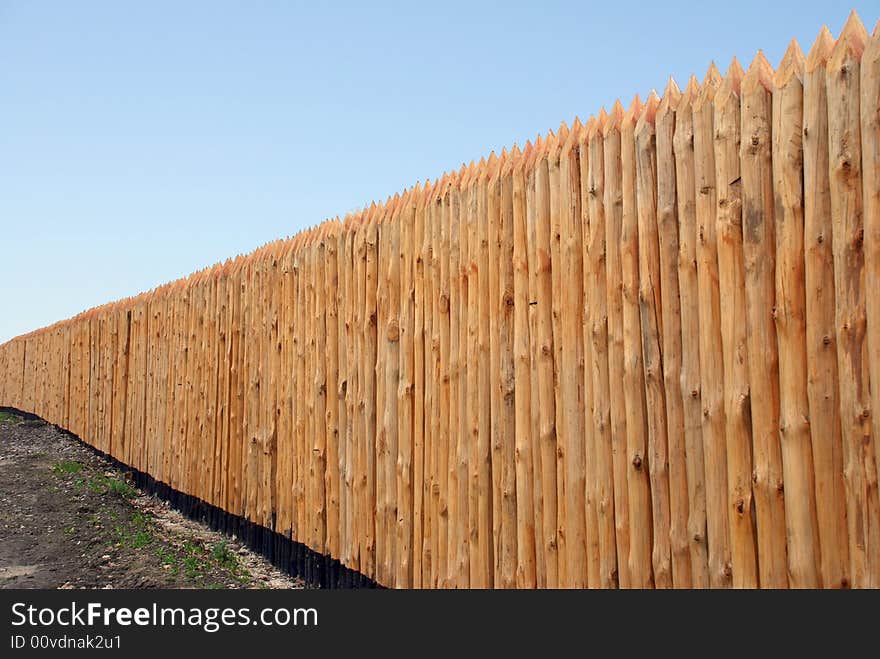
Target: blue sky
(142, 141)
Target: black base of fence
(294, 558)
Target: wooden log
(249, 369)
(440, 352)
(603, 555)
(221, 390)
(203, 407)
(430, 536)
(108, 342)
(638, 484)
(212, 325)
(439, 430)
(571, 367)
(472, 352)
(190, 452)
(177, 430)
(525, 506)
(470, 348)
(251, 458)
(591, 517)
(355, 478)
(343, 302)
(683, 147)
(613, 202)
(449, 345)
(272, 401)
(236, 390)
(651, 299)
(352, 477)
(306, 466)
(383, 564)
(82, 383)
(432, 376)
(421, 563)
(405, 402)
(300, 393)
(332, 474)
(392, 375)
(731, 285)
(369, 391)
(530, 170)
(212, 345)
(504, 425)
(93, 375)
(845, 178)
(545, 366)
(244, 375)
(491, 309)
(171, 459)
(869, 89)
(556, 202)
(606, 497)
(284, 394)
(120, 382)
(484, 444)
(284, 473)
(388, 367)
(802, 533)
(671, 348)
(458, 271)
(711, 352)
(265, 404)
(385, 374)
(759, 252)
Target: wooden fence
(641, 351)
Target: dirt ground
(69, 519)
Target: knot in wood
(393, 331)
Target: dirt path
(68, 519)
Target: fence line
(643, 351)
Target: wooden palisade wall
(640, 351)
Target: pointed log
(671, 347)
(580, 145)
(870, 130)
(613, 202)
(731, 274)
(685, 190)
(845, 178)
(711, 349)
(759, 252)
(525, 494)
(651, 301)
(802, 533)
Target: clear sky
(142, 141)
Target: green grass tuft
(101, 484)
(224, 557)
(67, 467)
